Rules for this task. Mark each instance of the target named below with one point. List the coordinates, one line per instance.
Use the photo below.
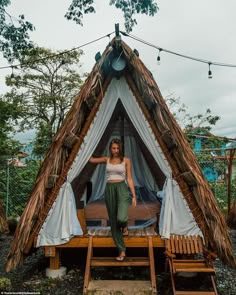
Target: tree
(195, 124)
(8, 146)
(24, 177)
(186, 120)
(79, 8)
(44, 89)
(14, 33)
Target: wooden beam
(50, 251)
(230, 165)
(88, 265)
(152, 265)
(55, 260)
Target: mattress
(142, 212)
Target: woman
(118, 169)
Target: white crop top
(115, 171)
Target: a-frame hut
(119, 98)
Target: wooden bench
(187, 254)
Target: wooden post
(152, 265)
(88, 265)
(81, 217)
(55, 261)
(230, 164)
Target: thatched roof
(170, 137)
(231, 220)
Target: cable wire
(178, 54)
(57, 54)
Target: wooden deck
(102, 239)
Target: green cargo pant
(117, 201)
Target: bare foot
(125, 231)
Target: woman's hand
(134, 201)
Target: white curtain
(172, 221)
(169, 214)
(62, 233)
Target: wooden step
(197, 266)
(111, 261)
(195, 293)
(103, 287)
(112, 287)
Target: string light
(135, 38)
(209, 71)
(179, 54)
(136, 52)
(110, 47)
(98, 56)
(159, 58)
(12, 72)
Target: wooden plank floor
(106, 232)
(102, 238)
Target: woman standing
(118, 170)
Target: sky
(201, 29)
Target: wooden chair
(187, 254)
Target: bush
(220, 191)
(5, 284)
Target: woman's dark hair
(119, 143)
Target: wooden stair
(99, 286)
(129, 261)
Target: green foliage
(8, 146)
(43, 138)
(43, 91)
(186, 120)
(14, 33)
(220, 191)
(78, 8)
(5, 284)
(21, 181)
(200, 125)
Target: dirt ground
(30, 277)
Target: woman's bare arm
(100, 160)
(130, 181)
